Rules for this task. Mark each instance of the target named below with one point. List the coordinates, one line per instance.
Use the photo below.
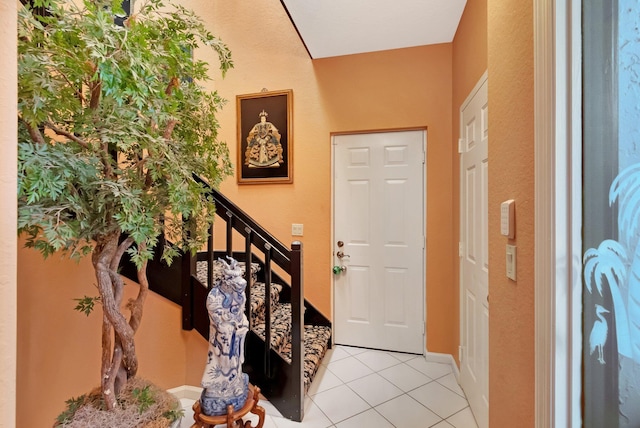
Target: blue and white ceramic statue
(223, 380)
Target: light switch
(511, 262)
(508, 218)
(296, 229)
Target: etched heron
(598, 336)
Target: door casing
(424, 223)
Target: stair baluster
(188, 271)
(210, 251)
(267, 310)
(247, 274)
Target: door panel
(474, 266)
(379, 216)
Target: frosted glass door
(611, 214)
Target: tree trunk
(119, 360)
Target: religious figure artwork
(265, 138)
(263, 145)
(223, 381)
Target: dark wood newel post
(297, 323)
(229, 234)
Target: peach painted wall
(268, 54)
(469, 64)
(8, 220)
(385, 90)
(511, 144)
(396, 89)
(59, 348)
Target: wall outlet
(296, 229)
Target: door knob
(341, 255)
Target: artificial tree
(113, 122)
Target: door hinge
(460, 353)
(460, 145)
(460, 249)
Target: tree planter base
(140, 404)
(233, 419)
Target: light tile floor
(357, 387)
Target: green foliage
(174, 414)
(73, 404)
(87, 89)
(86, 304)
(143, 397)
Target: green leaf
(73, 404)
(86, 304)
(88, 89)
(143, 398)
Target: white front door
(379, 218)
(474, 265)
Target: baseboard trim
(435, 357)
(186, 391)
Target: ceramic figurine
(223, 381)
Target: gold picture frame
(265, 143)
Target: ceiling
(343, 27)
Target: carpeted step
(258, 299)
(316, 343)
(201, 270)
(280, 327)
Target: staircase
(288, 336)
(316, 337)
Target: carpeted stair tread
(201, 270)
(316, 342)
(280, 327)
(258, 299)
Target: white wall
(8, 218)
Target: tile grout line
(346, 354)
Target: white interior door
(474, 265)
(379, 218)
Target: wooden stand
(232, 419)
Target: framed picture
(265, 145)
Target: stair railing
(289, 390)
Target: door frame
(558, 208)
(332, 136)
(483, 79)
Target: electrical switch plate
(296, 229)
(511, 262)
(507, 218)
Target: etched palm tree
(608, 265)
(626, 190)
